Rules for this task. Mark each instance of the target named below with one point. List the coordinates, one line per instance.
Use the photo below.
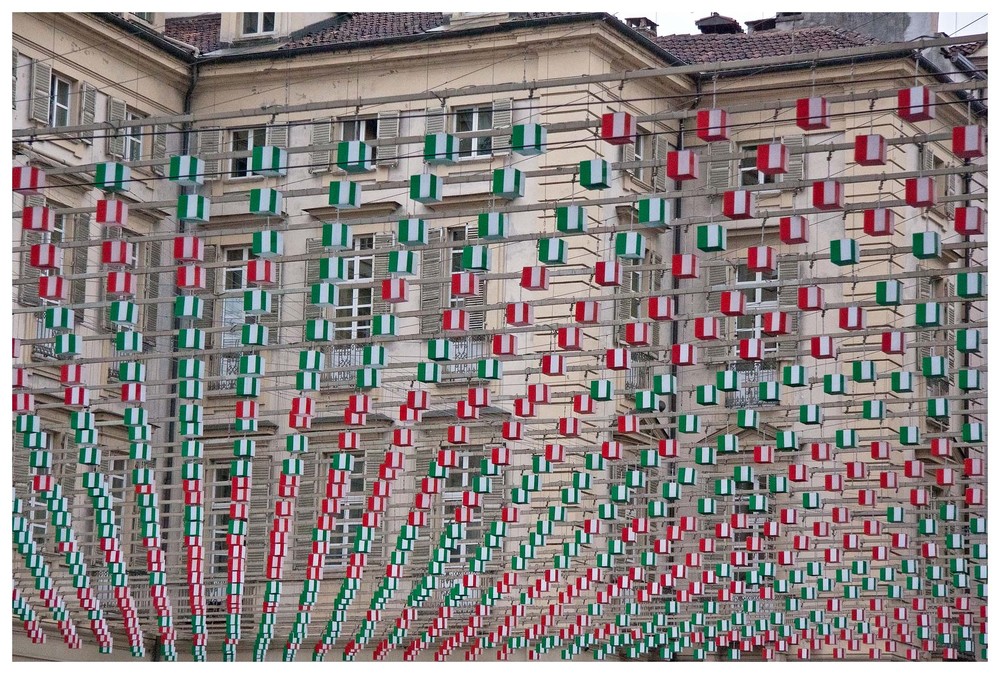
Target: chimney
(642, 25)
(718, 24)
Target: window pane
(268, 22)
(249, 22)
(463, 121)
(485, 119)
(365, 268)
(259, 138)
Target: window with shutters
(474, 118)
(470, 347)
(349, 518)
(940, 342)
(459, 479)
(944, 185)
(258, 23)
(321, 133)
(59, 100)
(245, 140)
(132, 136)
(29, 292)
(638, 283)
(640, 150)
(88, 110)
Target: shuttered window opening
(433, 287)
(788, 271)
(717, 279)
(159, 149)
(41, 93)
(720, 171)
(13, 89)
(659, 170)
(206, 143)
(245, 140)
(207, 320)
(320, 133)
(151, 291)
(88, 110)
(115, 142)
(388, 129)
(27, 291)
(482, 117)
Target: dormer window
(258, 23)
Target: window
(354, 295)
(233, 315)
(749, 175)
(257, 23)
(144, 16)
(133, 137)
(349, 519)
(360, 128)
(47, 350)
(244, 140)
(476, 118)
(219, 488)
(640, 150)
(759, 297)
(59, 101)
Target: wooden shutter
(628, 155)
(307, 501)
(260, 519)
(210, 143)
(717, 279)
(88, 110)
(435, 119)
(950, 189)
(380, 272)
(926, 158)
(207, 321)
(151, 291)
(41, 91)
(720, 172)
(655, 285)
(660, 157)
(159, 150)
(273, 319)
(431, 268)
(632, 283)
(788, 270)
(311, 311)
(388, 129)
(27, 291)
(476, 306)
(925, 292)
(949, 334)
(277, 135)
(104, 313)
(115, 139)
(319, 160)
(796, 162)
(78, 287)
(13, 90)
(503, 116)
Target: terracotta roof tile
(361, 26)
(734, 47)
(200, 31)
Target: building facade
(391, 344)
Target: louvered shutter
(632, 283)
(660, 168)
(476, 306)
(926, 158)
(717, 279)
(103, 319)
(277, 135)
(307, 502)
(788, 270)
(13, 90)
(720, 171)
(380, 272)
(151, 291)
(273, 319)
(260, 518)
(78, 287)
(319, 160)
(655, 285)
(431, 293)
(435, 120)
(207, 320)
(949, 334)
(950, 189)
(796, 162)
(210, 143)
(27, 292)
(115, 139)
(388, 129)
(503, 116)
(311, 311)
(924, 293)
(41, 91)
(628, 155)
(88, 110)
(159, 150)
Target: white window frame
(642, 149)
(341, 536)
(747, 166)
(350, 293)
(132, 136)
(363, 128)
(258, 28)
(256, 136)
(753, 290)
(475, 148)
(60, 103)
(217, 517)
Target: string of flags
(630, 531)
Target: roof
(200, 31)
(360, 26)
(713, 48)
(967, 49)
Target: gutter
(150, 36)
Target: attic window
(258, 23)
